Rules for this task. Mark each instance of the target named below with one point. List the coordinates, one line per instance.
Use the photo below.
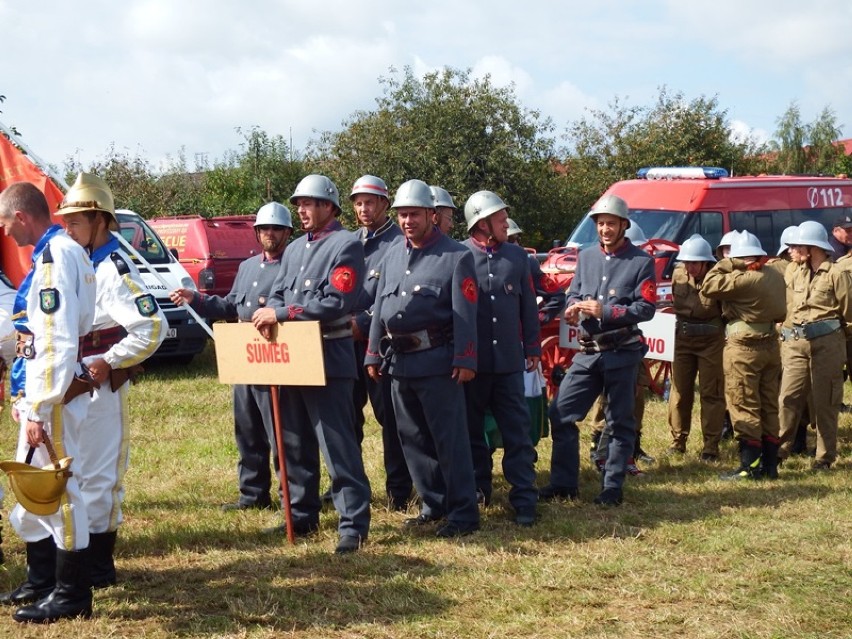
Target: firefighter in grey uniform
(320, 279)
(424, 328)
(254, 430)
(370, 201)
(509, 342)
(548, 293)
(445, 210)
(612, 291)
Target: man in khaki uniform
(841, 240)
(699, 342)
(781, 263)
(819, 306)
(752, 299)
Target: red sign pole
(282, 465)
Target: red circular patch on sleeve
(468, 287)
(343, 279)
(649, 291)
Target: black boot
(596, 439)
(72, 596)
(727, 427)
(769, 458)
(800, 441)
(41, 574)
(101, 548)
(749, 462)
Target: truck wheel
(554, 359)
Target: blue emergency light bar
(681, 172)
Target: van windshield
(673, 226)
(140, 236)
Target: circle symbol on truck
(813, 197)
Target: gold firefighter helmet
(39, 490)
(89, 193)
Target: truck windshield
(674, 226)
(140, 236)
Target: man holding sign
(320, 280)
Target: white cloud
(742, 132)
(158, 75)
(503, 73)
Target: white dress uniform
(128, 327)
(60, 306)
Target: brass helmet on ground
(89, 193)
(39, 490)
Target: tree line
(466, 134)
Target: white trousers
(103, 461)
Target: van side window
(767, 225)
(711, 226)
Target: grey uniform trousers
(322, 419)
(430, 415)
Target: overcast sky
(155, 76)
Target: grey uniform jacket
(507, 317)
(624, 283)
(433, 287)
(320, 279)
(249, 291)
(375, 248)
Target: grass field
(687, 555)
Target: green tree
(454, 131)
(239, 183)
(807, 148)
(610, 145)
(137, 186)
(261, 171)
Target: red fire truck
(672, 203)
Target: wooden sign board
(293, 357)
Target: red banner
(15, 167)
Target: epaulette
(120, 263)
(46, 257)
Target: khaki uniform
(699, 342)
(819, 305)
(845, 262)
(753, 300)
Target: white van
(186, 337)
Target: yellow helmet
(89, 193)
(39, 490)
